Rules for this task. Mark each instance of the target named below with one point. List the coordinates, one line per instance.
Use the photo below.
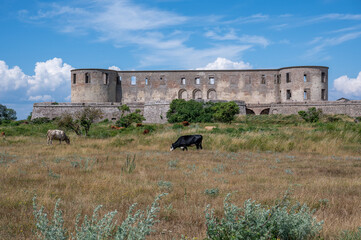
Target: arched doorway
(265, 111)
(249, 111)
(182, 94)
(197, 94)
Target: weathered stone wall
(252, 86)
(100, 86)
(351, 108)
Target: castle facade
(264, 91)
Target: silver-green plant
(255, 222)
(351, 235)
(52, 230)
(165, 185)
(137, 225)
(212, 192)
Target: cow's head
(172, 148)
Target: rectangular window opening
(106, 78)
(323, 77)
(275, 79)
(146, 81)
(288, 79)
(263, 79)
(305, 78)
(278, 78)
(183, 81)
(197, 80)
(74, 78)
(289, 94)
(87, 78)
(119, 80)
(211, 80)
(323, 94)
(306, 94)
(133, 80)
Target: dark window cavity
(288, 78)
(323, 94)
(323, 77)
(87, 78)
(74, 78)
(305, 77)
(263, 79)
(288, 94)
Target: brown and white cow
(57, 135)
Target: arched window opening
(265, 111)
(197, 94)
(249, 111)
(182, 94)
(212, 94)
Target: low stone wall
(154, 112)
(350, 108)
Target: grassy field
(256, 157)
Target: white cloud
(348, 86)
(114, 68)
(40, 98)
(223, 63)
(232, 35)
(52, 75)
(51, 81)
(323, 43)
(11, 78)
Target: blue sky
(41, 41)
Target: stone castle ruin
(263, 91)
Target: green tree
(127, 120)
(82, 121)
(225, 111)
(7, 113)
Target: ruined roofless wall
(308, 83)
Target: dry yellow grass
(31, 167)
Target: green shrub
(197, 111)
(311, 115)
(225, 111)
(253, 221)
(41, 120)
(130, 118)
(137, 225)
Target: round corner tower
(94, 86)
(303, 84)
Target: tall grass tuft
(129, 165)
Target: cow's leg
(186, 148)
(48, 140)
(59, 141)
(200, 145)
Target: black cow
(185, 141)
